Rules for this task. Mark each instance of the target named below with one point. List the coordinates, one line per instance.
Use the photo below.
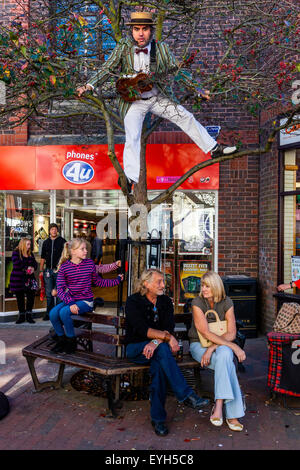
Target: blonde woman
(219, 356)
(76, 274)
(22, 280)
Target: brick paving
(72, 420)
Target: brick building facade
(248, 217)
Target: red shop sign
(89, 167)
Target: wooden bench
(111, 368)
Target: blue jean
(60, 316)
(50, 284)
(163, 369)
(226, 382)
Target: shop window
(291, 217)
(107, 38)
(26, 215)
(2, 248)
(187, 224)
(97, 41)
(85, 46)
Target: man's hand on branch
(83, 89)
(204, 94)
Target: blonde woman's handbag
(217, 327)
(288, 319)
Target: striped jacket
(74, 281)
(121, 62)
(18, 274)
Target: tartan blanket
(284, 363)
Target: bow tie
(145, 51)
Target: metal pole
(52, 205)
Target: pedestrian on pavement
(22, 280)
(75, 277)
(97, 251)
(51, 252)
(150, 340)
(218, 356)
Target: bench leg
(110, 396)
(117, 389)
(39, 386)
(198, 380)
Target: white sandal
(234, 427)
(215, 421)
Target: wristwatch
(291, 284)
(154, 341)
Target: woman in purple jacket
(76, 274)
(22, 280)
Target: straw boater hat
(140, 18)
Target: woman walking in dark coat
(22, 280)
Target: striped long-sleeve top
(106, 268)
(74, 281)
(20, 264)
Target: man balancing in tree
(140, 53)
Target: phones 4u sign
(78, 172)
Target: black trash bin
(243, 292)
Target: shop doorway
(95, 213)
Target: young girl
(100, 269)
(22, 280)
(74, 280)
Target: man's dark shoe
(160, 429)
(129, 185)
(46, 317)
(221, 150)
(195, 402)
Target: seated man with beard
(150, 340)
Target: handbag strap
(214, 312)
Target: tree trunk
(139, 230)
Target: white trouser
(163, 107)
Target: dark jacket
(18, 274)
(52, 250)
(97, 250)
(140, 316)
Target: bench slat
(91, 361)
(98, 318)
(101, 337)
